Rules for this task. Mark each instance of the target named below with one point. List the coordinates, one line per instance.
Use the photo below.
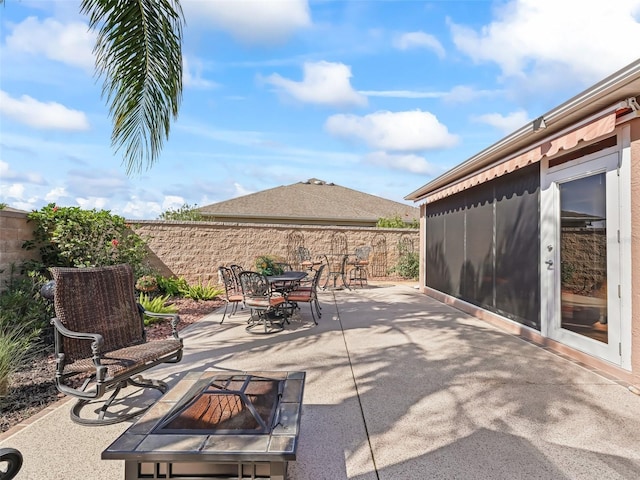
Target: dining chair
(237, 269)
(264, 303)
(303, 294)
(232, 290)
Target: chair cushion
(128, 358)
(300, 296)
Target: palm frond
(139, 52)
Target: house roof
(311, 202)
(617, 93)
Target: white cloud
(136, 208)
(251, 21)
(54, 195)
(71, 43)
(535, 38)
(240, 191)
(6, 173)
(410, 131)
(505, 123)
(173, 202)
(192, 75)
(466, 94)
(410, 163)
(402, 94)
(410, 40)
(324, 83)
(89, 203)
(458, 94)
(41, 115)
(15, 190)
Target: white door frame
(610, 161)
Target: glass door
(582, 257)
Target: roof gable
(312, 200)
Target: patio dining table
(284, 283)
(286, 280)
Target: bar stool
(358, 274)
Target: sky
(377, 96)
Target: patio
(398, 386)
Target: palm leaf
(138, 50)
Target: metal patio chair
(359, 272)
(232, 290)
(264, 303)
(304, 294)
(100, 340)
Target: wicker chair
(11, 459)
(100, 340)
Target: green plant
(147, 283)
(408, 265)
(23, 316)
(157, 304)
(266, 264)
(73, 237)
(397, 222)
(18, 344)
(185, 212)
(22, 305)
(200, 291)
(172, 286)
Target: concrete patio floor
(399, 386)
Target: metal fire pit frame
(192, 456)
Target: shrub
(172, 286)
(203, 292)
(17, 345)
(408, 265)
(23, 316)
(185, 212)
(396, 222)
(156, 305)
(73, 237)
(266, 264)
(22, 305)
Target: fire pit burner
(216, 425)
(241, 404)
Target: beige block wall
(14, 231)
(195, 250)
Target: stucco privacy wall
(194, 250)
(14, 230)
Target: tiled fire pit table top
(216, 424)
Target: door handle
(549, 262)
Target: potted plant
(267, 265)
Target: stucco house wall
(635, 248)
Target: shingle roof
(313, 201)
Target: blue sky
(377, 96)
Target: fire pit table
(242, 425)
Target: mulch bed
(33, 389)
